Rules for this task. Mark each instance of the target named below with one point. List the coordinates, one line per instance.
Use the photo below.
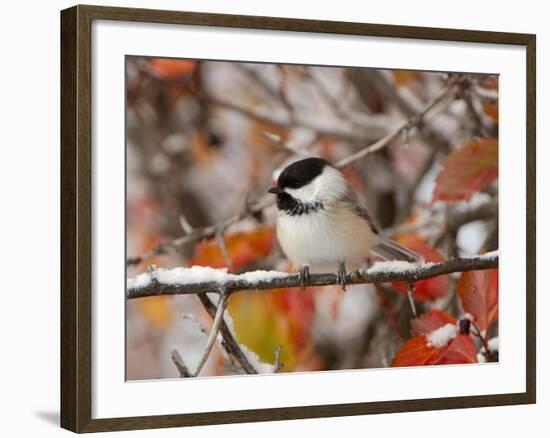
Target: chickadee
(321, 222)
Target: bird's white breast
(325, 237)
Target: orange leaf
(491, 109)
(171, 68)
(404, 77)
(430, 321)
(467, 170)
(478, 291)
(243, 248)
(158, 312)
(431, 288)
(415, 352)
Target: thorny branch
(267, 200)
(150, 285)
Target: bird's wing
(361, 211)
(352, 199)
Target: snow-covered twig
(200, 279)
(268, 200)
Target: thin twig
(407, 106)
(218, 317)
(290, 148)
(278, 364)
(185, 225)
(196, 322)
(410, 296)
(459, 215)
(331, 102)
(180, 365)
(228, 340)
(384, 141)
(264, 85)
(225, 252)
(334, 127)
(146, 285)
(484, 342)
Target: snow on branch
(200, 279)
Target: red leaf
(490, 82)
(431, 288)
(430, 321)
(478, 291)
(460, 350)
(415, 352)
(467, 170)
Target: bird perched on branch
(321, 221)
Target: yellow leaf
(158, 312)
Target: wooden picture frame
(76, 217)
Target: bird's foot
(341, 275)
(304, 276)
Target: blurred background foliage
(204, 138)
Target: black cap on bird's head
(299, 173)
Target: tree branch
(412, 121)
(180, 365)
(229, 343)
(268, 200)
(218, 318)
(459, 215)
(198, 280)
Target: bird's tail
(387, 249)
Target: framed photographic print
(268, 218)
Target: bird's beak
(276, 190)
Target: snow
(253, 358)
(261, 276)
(200, 274)
(442, 336)
(400, 266)
(493, 344)
(257, 364)
(195, 274)
(138, 281)
(393, 266)
(477, 200)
